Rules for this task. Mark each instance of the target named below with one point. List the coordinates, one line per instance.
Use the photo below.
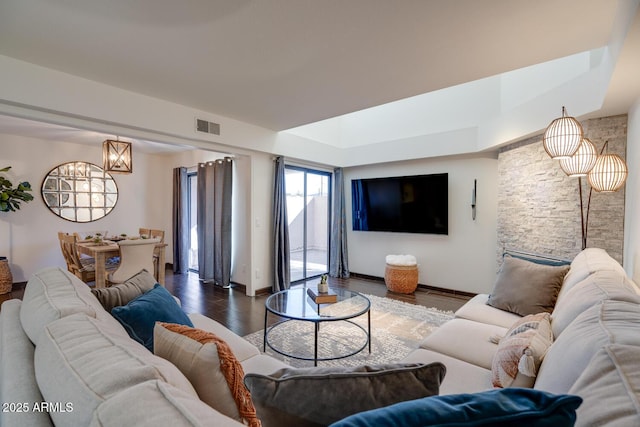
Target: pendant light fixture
(609, 173)
(116, 156)
(582, 162)
(563, 137)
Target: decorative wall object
(79, 191)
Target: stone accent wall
(539, 206)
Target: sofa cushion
(262, 364)
(586, 263)
(478, 310)
(52, 294)
(524, 287)
(495, 408)
(456, 337)
(156, 403)
(320, 396)
(597, 287)
(210, 366)
(85, 361)
(122, 293)
(140, 315)
(521, 350)
(611, 322)
(610, 388)
(462, 377)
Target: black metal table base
(317, 322)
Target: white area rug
(396, 329)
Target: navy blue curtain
(180, 221)
(281, 260)
(338, 255)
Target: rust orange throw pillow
(211, 367)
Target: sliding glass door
(308, 213)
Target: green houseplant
(10, 196)
(10, 199)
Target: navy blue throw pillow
(520, 407)
(140, 315)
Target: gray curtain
(282, 275)
(338, 256)
(180, 221)
(214, 221)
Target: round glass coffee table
(296, 304)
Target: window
(308, 213)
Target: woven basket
(6, 279)
(401, 278)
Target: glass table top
(295, 303)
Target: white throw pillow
(521, 350)
(202, 357)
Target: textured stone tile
(539, 206)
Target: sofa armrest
(17, 375)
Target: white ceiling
(281, 64)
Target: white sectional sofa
(64, 360)
(595, 352)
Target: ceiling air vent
(207, 127)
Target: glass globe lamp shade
(563, 137)
(582, 162)
(609, 173)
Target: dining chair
(83, 268)
(150, 233)
(67, 259)
(156, 234)
(135, 255)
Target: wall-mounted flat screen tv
(405, 204)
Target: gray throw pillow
(122, 293)
(524, 287)
(320, 396)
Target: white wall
(632, 195)
(465, 259)
(29, 237)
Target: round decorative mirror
(79, 191)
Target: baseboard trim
(243, 288)
(451, 292)
(263, 291)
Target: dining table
(102, 251)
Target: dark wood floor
(245, 315)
